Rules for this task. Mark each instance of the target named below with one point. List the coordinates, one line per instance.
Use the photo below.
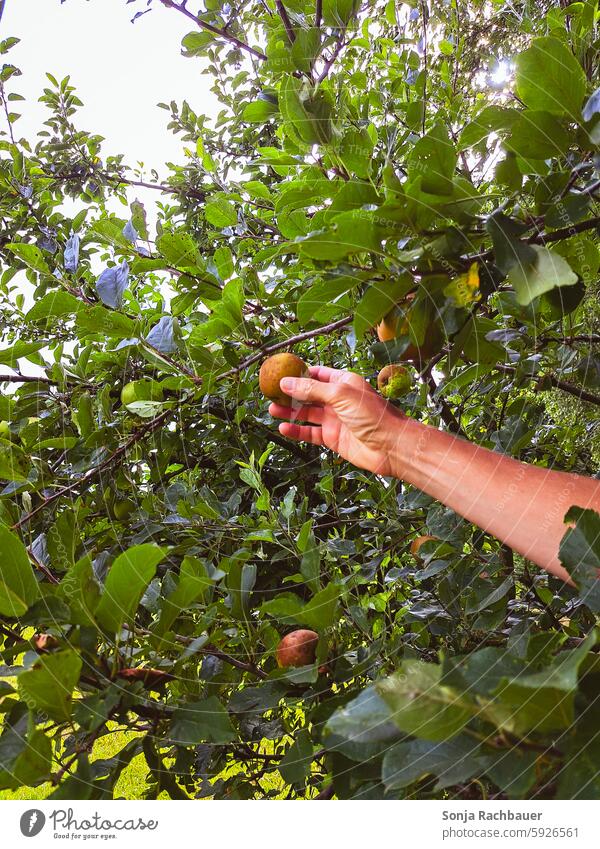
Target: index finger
(324, 373)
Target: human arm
(521, 505)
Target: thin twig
(215, 30)
(329, 62)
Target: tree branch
(26, 378)
(215, 30)
(214, 652)
(286, 20)
(150, 427)
(576, 391)
(318, 13)
(329, 62)
(292, 340)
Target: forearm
(521, 505)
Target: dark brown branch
(565, 232)
(445, 412)
(150, 427)
(318, 13)
(330, 61)
(214, 652)
(282, 11)
(159, 187)
(221, 33)
(26, 378)
(326, 793)
(576, 391)
(292, 340)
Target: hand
(345, 414)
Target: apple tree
(431, 166)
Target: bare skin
(521, 505)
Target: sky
(120, 71)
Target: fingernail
(288, 383)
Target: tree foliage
(159, 537)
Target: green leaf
(580, 554)
(259, 111)
(127, 579)
(318, 301)
(338, 13)
(540, 701)
(204, 721)
(579, 778)
(240, 581)
(80, 590)
(306, 48)
(295, 764)
(356, 151)
(378, 300)
(179, 249)
(453, 762)
(538, 135)
(16, 572)
(192, 585)
(549, 77)
(224, 261)
(98, 319)
(24, 760)
(286, 608)
(220, 212)
(138, 218)
(14, 463)
(196, 43)
(420, 703)
(509, 250)
(508, 174)
(298, 122)
(30, 255)
(109, 231)
(491, 119)
(433, 159)
(10, 356)
(49, 684)
(549, 271)
(320, 612)
(55, 305)
(10, 603)
(365, 719)
(513, 771)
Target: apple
(274, 369)
(141, 390)
(396, 323)
(416, 544)
(393, 381)
(298, 648)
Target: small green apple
(393, 381)
(142, 397)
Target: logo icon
(32, 822)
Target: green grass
(130, 785)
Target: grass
(131, 783)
